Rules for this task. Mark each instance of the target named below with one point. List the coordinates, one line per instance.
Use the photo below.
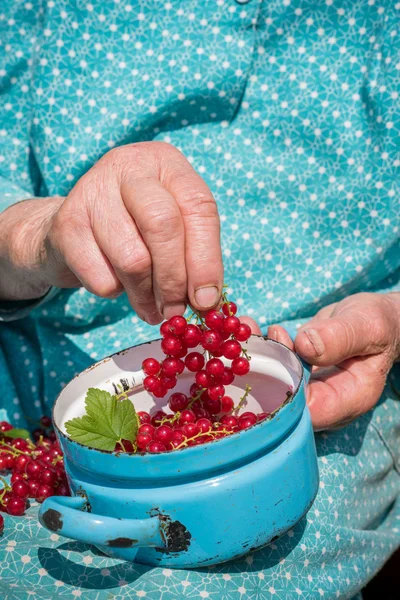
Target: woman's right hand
(140, 220)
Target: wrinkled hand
(140, 220)
(353, 344)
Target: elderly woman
(129, 132)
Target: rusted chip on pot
(122, 542)
(52, 520)
(176, 536)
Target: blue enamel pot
(200, 505)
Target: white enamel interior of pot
(275, 370)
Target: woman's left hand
(353, 345)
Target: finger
(75, 258)
(117, 235)
(202, 233)
(252, 324)
(279, 334)
(354, 332)
(160, 223)
(338, 395)
(325, 313)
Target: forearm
(23, 228)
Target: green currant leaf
(106, 422)
(16, 433)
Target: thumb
(352, 333)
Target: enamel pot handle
(292, 331)
(64, 515)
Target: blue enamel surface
(229, 496)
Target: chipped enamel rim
(154, 457)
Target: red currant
(202, 379)
(160, 390)
(49, 477)
(143, 440)
(171, 345)
(169, 382)
(183, 351)
(158, 417)
(16, 476)
(228, 376)
(215, 367)
(21, 463)
(63, 490)
(247, 420)
(44, 491)
(211, 340)
(231, 325)
(178, 436)
(194, 361)
(192, 336)
(19, 444)
(187, 416)
(5, 426)
(144, 417)
(3, 462)
(150, 383)
(195, 389)
(177, 325)
(204, 425)
(33, 470)
(214, 320)
(172, 366)
(21, 489)
(164, 328)
(4, 502)
(45, 422)
(163, 434)
(156, 447)
(151, 366)
(178, 402)
(226, 404)
(261, 416)
(10, 461)
(212, 406)
(16, 506)
(33, 486)
(231, 349)
(230, 422)
(243, 333)
(190, 430)
(240, 366)
(216, 392)
(200, 411)
(229, 309)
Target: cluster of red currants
(206, 414)
(37, 469)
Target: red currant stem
(120, 442)
(242, 400)
(246, 354)
(11, 449)
(169, 420)
(195, 398)
(190, 317)
(5, 489)
(226, 301)
(201, 434)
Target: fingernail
(273, 334)
(207, 296)
(173, 310)
(317, 346)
